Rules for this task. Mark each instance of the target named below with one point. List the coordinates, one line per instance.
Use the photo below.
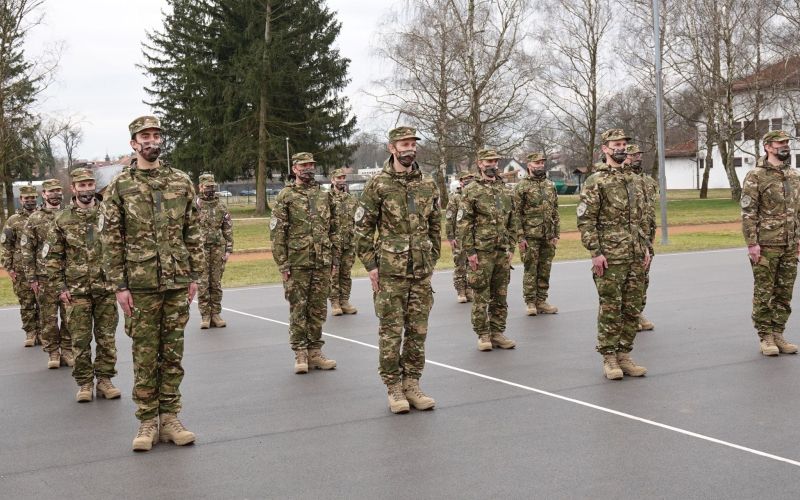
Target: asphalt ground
(712, 418)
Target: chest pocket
(173, 203)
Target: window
(737, 161)
(796, 161)
(738, 131)
(701, 164)
(797, 129)
(777, 124)
(749, 131)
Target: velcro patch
(581, 209)
(460, 214)
(273, 223)
(746, 201)
(45, 250)
(101, 220)
(359, 213)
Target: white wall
(682, 173)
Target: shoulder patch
(24, 240)
(460, 214)
(448, 215)
(273, 223)
(45, 250)
(359, 214)
(101, 221)
(581, 209)
(746, 201)
(3, 237)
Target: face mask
(406, 158)
(208, 194)
(539, 174)
(490, 172)
(636, 166)
(783, 154)
(341, 187)
(306, 175)
(86, 197)
(619, 155)
(29, 205)
(151, 150)
(55, 199)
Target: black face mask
(341, 187)
(150, 151)
(306, 175)
(55, 199)
(619, 155)
(208, 194)
(85, 197)
(490, 172)
(636, 166)
(539, 174)
(783, 154)
(29, 205)
(406, 158)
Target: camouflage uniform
(538, 223)
(770, 206)
(403, 209)
(486, 228)
(305, 243)
(345, 207)
(216, 228)
(73, 263)
(55, 335)
(12, 240)
(152, 246)
(459, 257)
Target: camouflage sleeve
(227, 230)
(556, 215)
(279, 226)
(193, 235)
(28, 245)
(112, 238)
(750, 203)
(588, 210)
(513, 226)
(465, 221)
(653, 200)
(333, 231)
(8, 238)
(450, 219)
(367, 218)
(519, 203)
(56, 256)
(435, 230)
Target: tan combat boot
(205, 322)
(484, 342)
(629, 366)
(348, 308)
(67, 359)
(501, 341)
(336, 309)
(38, 340)
(531, 309)
(783, 345)
(319, 361)
(645, 324)
(54, 360)
(30, 339)
(84, 394)
(768, 347)
(217, 321)
(470, 295)
(397, 400)
(462, 296)
(611, 367)
(173, 430)
(147, 435)
(545, 308)
(301, 361)
(415, 396)
(105, 389)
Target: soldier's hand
(225, 258)
(599, 265)
(12, 274)
(334, 270)
(523, 245)
(35, 287)
(754, 252)
(125, 300)
(285, 275)
(647, 258)
(453, 244)
(473, 262)
(192, 291)
(554, 242)
(65, 297)
(373, 277)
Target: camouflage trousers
(460, 270)
(538, 260)
(490, 284)
(773, 283)
(341, 282)
(87, 314)
(402, 306)
(209, 288)
(156, 328)
(28, 306)
(620, 291)
(647, 280)
(55, 336)
(307, 292)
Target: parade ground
(713, 418)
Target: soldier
(152, 255)
(770, 206)
(401, 205)
(71, 257)
(217, 231)
(13, 240)
(633, 165)
(341, 282)
(305, 246)
(56, 338)
(486, 230)
(538, 231)
(465, 293)
(612, 219)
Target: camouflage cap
(50, 184)
(632, 149)
(207, 180)
(82, 174)
(144, 123)
(301, 158)
(614, 134)
(488, 154)
(28, 190)
(400, 133)
(775, 135)
(536, 157)
(465, 175)
(338, 173)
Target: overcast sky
(98, 82)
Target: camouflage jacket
(304, 228)
(450, 214)
(36, 232)
(399, 223)
(485, 218)
(346, 205)
(651, 197)
(216, 226)
(612, 216)
(770, 204)
(72, 256)
(12, 241)
(149, 231)
(536, 207)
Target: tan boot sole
(83, 398)
(511, 345)
(144, 445)
(300, 369)
(53, 365)
(320, 367)
(350, 311)
(336, 312)
(613, 375)
(178, 442)
(634, 374)
(484, 346)
(105, 395)
(421, 406)
(29, 342)
(462, 300)
(204, 327)
(399, 408)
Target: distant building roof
(686, 149)
(784, 73)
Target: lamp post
(662, 174)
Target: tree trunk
(10, 197)
(708, 161)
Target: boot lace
(396, 392)
(145, 428)
(174, 425)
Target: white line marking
(558, 396)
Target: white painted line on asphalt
(542, 392)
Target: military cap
(488, 154)
(301, 158)
(27, 190)
(536, 157)
(465, 175)
(338, 173)
(775, 135)
(207, 180)
(614, 134)
(632, 149)
(143, 123)
(51, 184)
(82, 174)
(401, 133)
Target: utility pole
(662, 174)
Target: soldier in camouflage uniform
(770, 207)
(633, 165)
(56, 338)
(465, 293)
(487, 233)
(401, 206)
(612, 219)
(13, 240)
(305, 246)
(153, 256)
(341, 282)
(217, 231)
(71, 257)
(538, 231)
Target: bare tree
(71, 136)
(47, 131)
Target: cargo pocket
(394, 257)
(299, 252)
(142, 270)
(182, 270)
(478, 279)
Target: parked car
(247, 192)
(225, 194)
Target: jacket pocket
(393, 258)
(142, 270)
